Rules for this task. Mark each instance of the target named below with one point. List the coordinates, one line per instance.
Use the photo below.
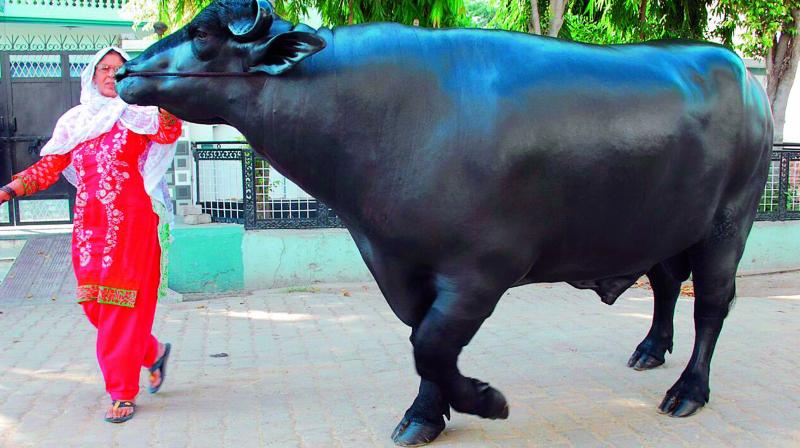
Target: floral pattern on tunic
(82, 236)
(112, 176)
(43, 173)
(116, 235)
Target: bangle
(9, 190)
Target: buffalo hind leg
(666, 284)
(714, 263)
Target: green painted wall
(206, 258)
(279, 258)
(223, 257)
(772, 247)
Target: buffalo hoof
(686, 397)
(415, 433)
(497, 406)
(493, 404)
(644, 361)
(650, 353)
(481, 399)
(675, 407)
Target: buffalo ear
(283, 51)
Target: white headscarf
(97, 114)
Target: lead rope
(191, 75)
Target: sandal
(161, 364)
(122, 404)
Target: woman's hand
(15, 186)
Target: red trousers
(124, 342)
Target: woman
(116, 155)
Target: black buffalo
(466, 162)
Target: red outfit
(115, 248)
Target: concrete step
(5, 266)
(42, 273)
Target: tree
(605, 21)
(173, 13)
(624, 21)
(531, 15)
(769, 31)
(428, 13)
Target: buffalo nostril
(121, 73)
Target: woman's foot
(120, 411)
(159, 368)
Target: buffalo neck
(296, 122)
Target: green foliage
(291, 10)
(176, 13)
(596, 21)
(479, 13)
(760, 21)
(613, 21)
(513, 15)
(429, 13)
(622, 21)
(771, 204)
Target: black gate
(781, 198)
(36, 88)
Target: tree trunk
(557, 8)
(351, 14)
(535, 24)
(642, 17)
(781, 64)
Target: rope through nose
(190, 75)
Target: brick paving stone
(624, 440)
(325, 370)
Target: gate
(36, 88)
(234, 185)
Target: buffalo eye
(200, 35)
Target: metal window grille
(266, 199)
(279, 198)
(781, 198)
(219, 187)
(35, 210)
(35, 65)
(793, 192)
(5, 215)
(56, 42)
(77, 62)
(769, 200)
(99, 4)
(245, 189)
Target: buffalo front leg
(409, 291)
(424, 420)
(650, 352)
(438, 341)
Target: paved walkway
(331, 367)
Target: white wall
(791, 132)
